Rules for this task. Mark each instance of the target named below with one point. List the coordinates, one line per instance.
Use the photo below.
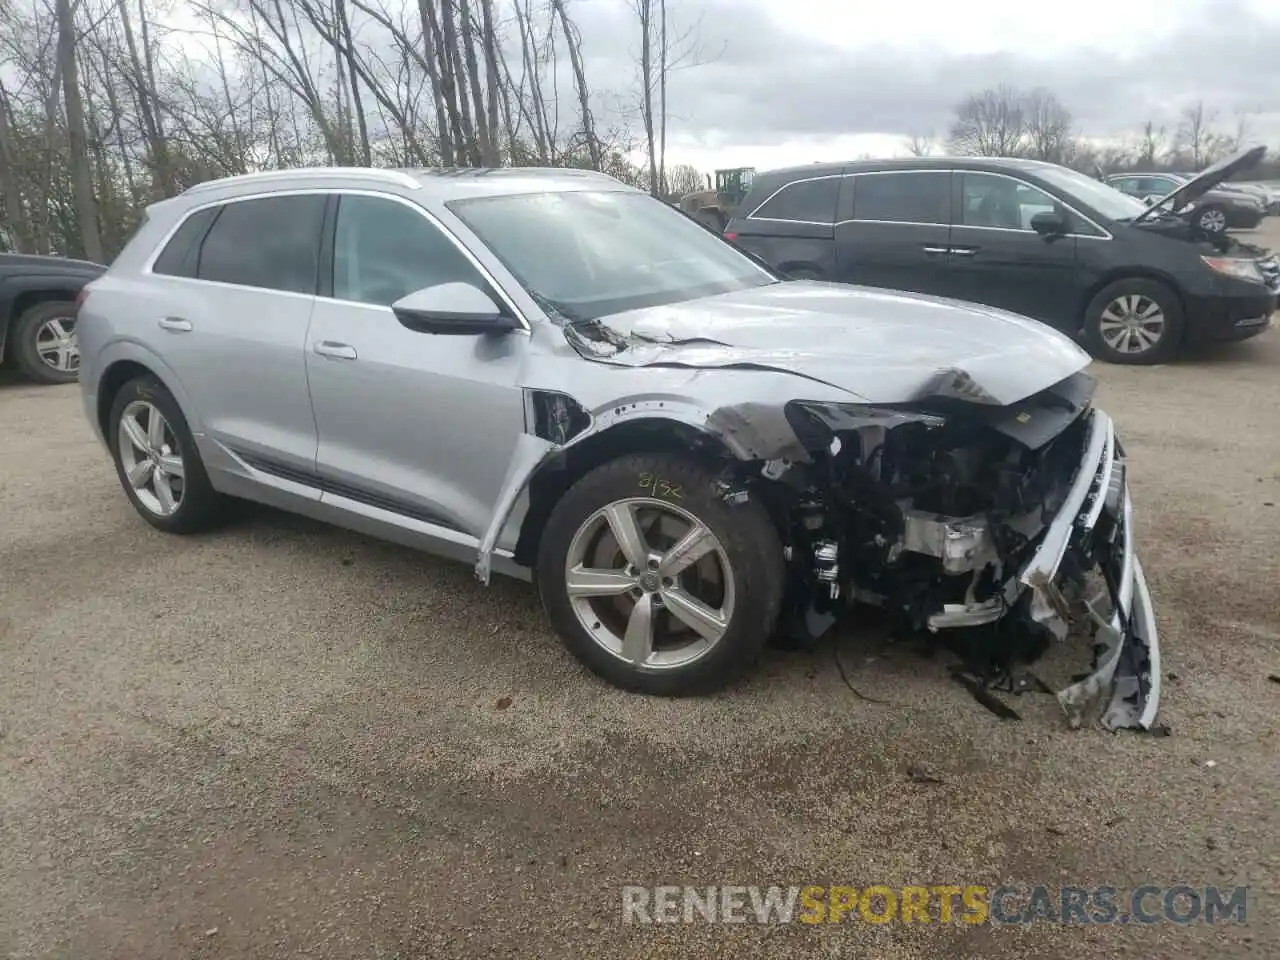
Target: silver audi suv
(550, 375)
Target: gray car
(550, 375)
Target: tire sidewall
(1170, 342)
(746, 533)
(24, 333)
(198, 496)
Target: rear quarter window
(805, 201)
(180, 255)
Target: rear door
(895, 230)
(236, 287)
(793, 229)
(998, 260)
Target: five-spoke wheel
(654, 580)
(157, 460)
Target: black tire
(1170, 339)
(1215, 213)
(24, 334)
(200, 506)
(745, 531)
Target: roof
(905, 163)
(434, 182)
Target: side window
(383, 250)
(992, 201)
(923, 197)
(1157, 186)
(181, 253)
(811, 201)
(1127, 185)
(270, 242)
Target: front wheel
(656, 583)
(1136, 321)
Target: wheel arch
(128, 361)
(638, 434)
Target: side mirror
(1049, 223)
(457, 308)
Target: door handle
(933, 251)
(176, 324)
(964, 251)
(335, 351)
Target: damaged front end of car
(960, 514)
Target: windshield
(591, 254)
(1103, 197)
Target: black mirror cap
(422, 321)
(1049, 224)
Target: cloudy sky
(792, 81)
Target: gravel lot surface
(286, 740)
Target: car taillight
(731, 236)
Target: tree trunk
(78, 148)
(484, 141)
(15, 215)
(580, 83)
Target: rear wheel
(157, 460)
(656, 583)
(44, 342)
(1135, 321)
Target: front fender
(749, 431)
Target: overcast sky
(793, 81)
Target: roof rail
(398, 177)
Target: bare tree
(573, 40)
(919, 144)
(992, 123)
(1196, 136)
(77, 145)
(1048, 125)
(1152, 146)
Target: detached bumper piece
(1093, 530)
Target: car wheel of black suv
(157, 460)
(1134, 321)
(44, 342)
(655, 582)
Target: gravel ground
(285, 740)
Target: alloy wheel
(650, 583)
(1132, 324)
(1213, 221)
(150, 458)
(56, 344)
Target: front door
(419, 424)
(998, 260)
(894, 230)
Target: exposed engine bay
(959, 516)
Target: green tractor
(715, 207)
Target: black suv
(1034, 238)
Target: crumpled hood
(882, 346)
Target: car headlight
(1235, 267)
